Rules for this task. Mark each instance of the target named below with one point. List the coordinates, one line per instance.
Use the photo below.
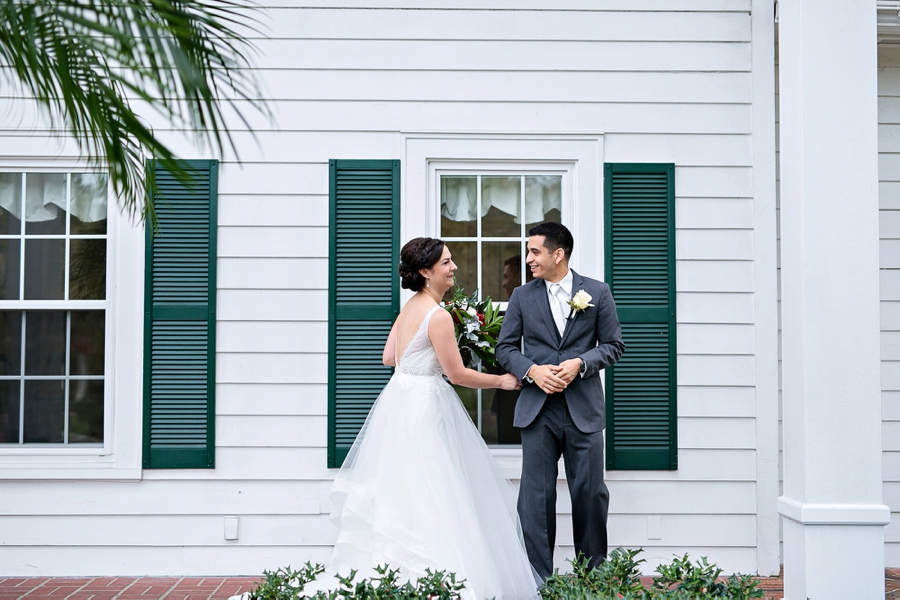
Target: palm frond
(86, 61)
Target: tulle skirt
(420, 490)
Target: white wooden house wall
(659, 80)
(889, 203)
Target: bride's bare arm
(388, 357)
(443, 338)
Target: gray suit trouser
(553, 434)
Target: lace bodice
(419, 358)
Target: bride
(419, 488)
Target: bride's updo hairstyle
(418, 253)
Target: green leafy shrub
(702, 580)
(287, 584)
(619, 578)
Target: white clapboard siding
(271, 398)
(889, 232)
(716, 244)
(737, 6)
(518, 86)
(271, 368)
(273, 178)
(659, 80)
(714, 307)
(506, 55)
(194, 497)
(252, 273)
(714, 213)
(167, 530)
(714, 276)
(138, 561)
(711, 401)
(691, 150)
(658, 26)
(273, 242)
(498, 117)
(276, 210)
(273, 305)
(271, 336)
(710, 338)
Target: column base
(833, 551)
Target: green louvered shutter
(363, 291)
(180, 322)
(640, 270)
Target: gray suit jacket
(594, 335)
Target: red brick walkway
(124, 588)
(195, 588)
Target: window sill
(510, 460)
(53, 464)
(67, 472)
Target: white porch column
(832, 506)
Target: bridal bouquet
(477, 325)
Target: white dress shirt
(564, 295)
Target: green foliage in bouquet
(477, 325)
(288, 584)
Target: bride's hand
(509, 382)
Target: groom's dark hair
(556, 235)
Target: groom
(569, 338)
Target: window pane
(88, 206)
(9, 269)
(45, 407)
(85, 411)
(502, 407)
(9, 412)
(469, 399)
(543, 199)
(504, 197)
(10, 343)
(465, 255)
(10, 203)
(45, 342)
(44, 269)
(45, 203)
(459, 206)
(500, 269)
(87, 269)
(86, 352)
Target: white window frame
(578, 156)
(119, 457)
(465, 169)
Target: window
(53, 308)
(485, 218)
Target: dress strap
(430, 312)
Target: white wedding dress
(420, 489)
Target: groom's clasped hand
(553, 379)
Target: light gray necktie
(556, 307)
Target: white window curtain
(543, 193)
(45, 196)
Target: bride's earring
(427, 283)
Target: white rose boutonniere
(579, 302)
